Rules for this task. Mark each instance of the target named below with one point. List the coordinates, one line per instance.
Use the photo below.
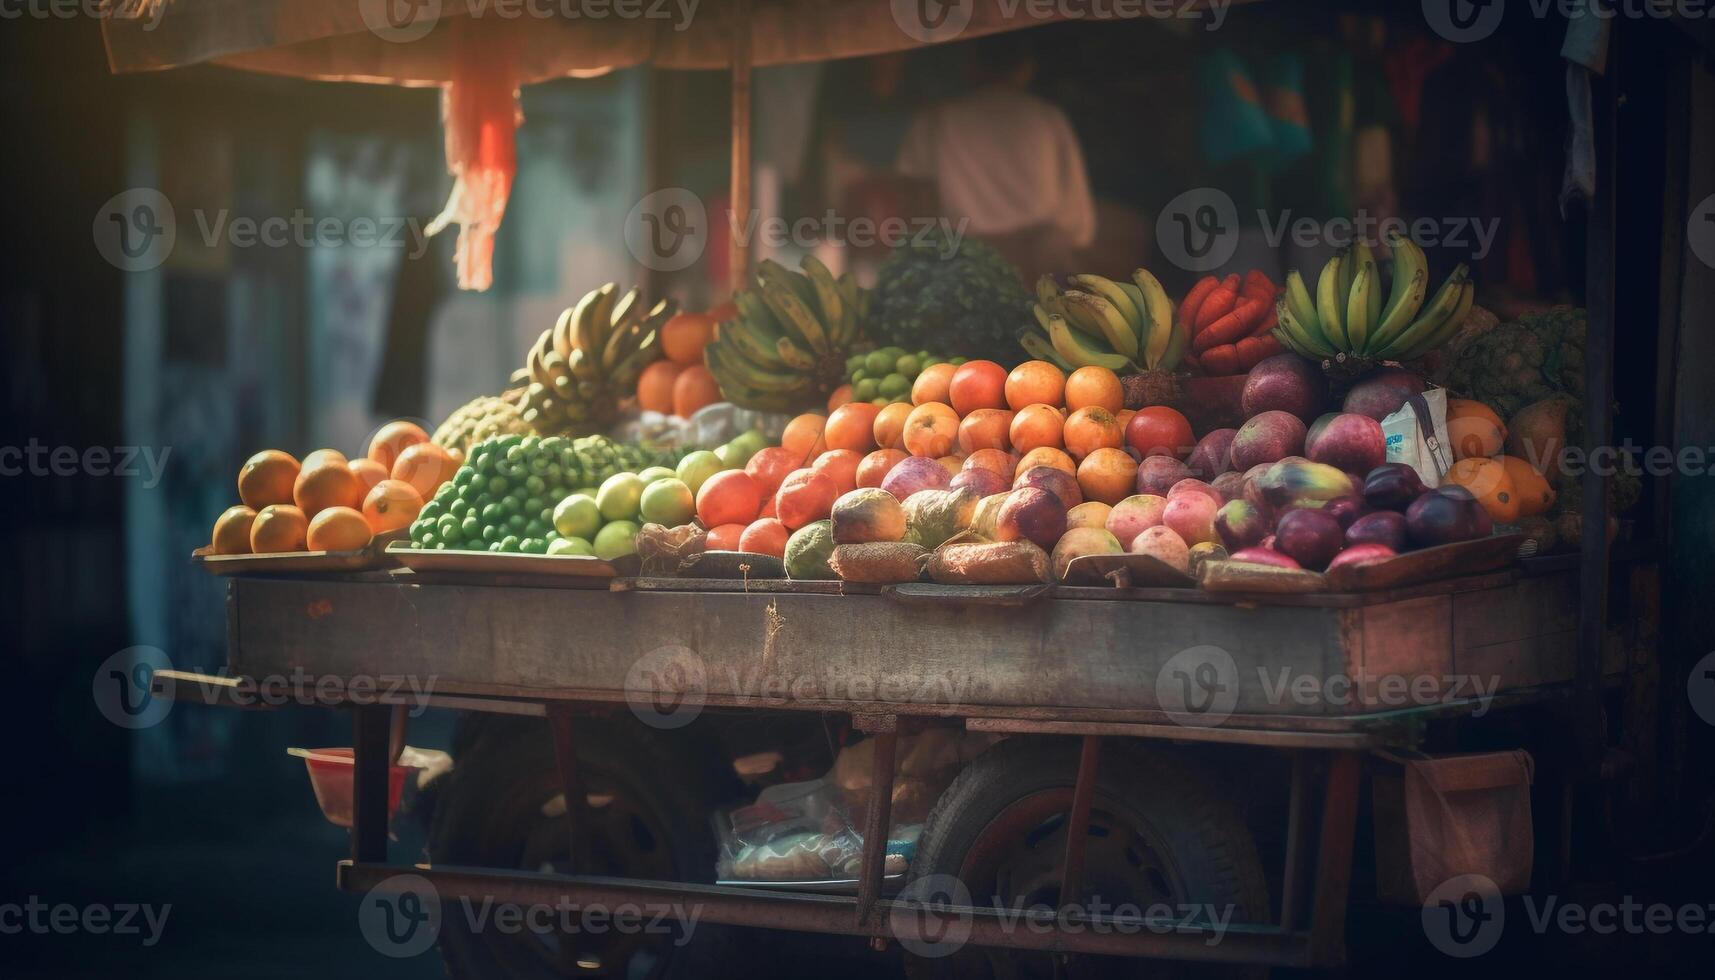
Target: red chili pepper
(1230, 328)
(1193, 300)
(1268, 322)
(1222, 360)
(1252, 350)
(1219, 303)
(1258, 286)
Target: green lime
(654, 473)
(895, 385)
(533, 546)
(697, 467)
(509, 543)
(577, 516)
(854, 363)
(908, 365)
(570, 546)
(866, 389)
(619, 496)
(615, 540)
(589, 492)
(879, 362)
(859, 375)
(884, 402)
(668, 502)
(956, 361)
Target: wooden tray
(1428, 564)
(1243, 576)
(494, 563)
(377, 554)
(735, 565)
(1126, 571)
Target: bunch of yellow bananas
(581, 369)
(1348, 316)
(787, 348)
(1126, 327)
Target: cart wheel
(650, 800)
(1157, 835)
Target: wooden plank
(1404, 642)
(1226, 734)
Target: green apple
(654, 473)
(668, 502)
(570, 546)
(619, 496)
(699, 466)
(577, 516)
(616, 540)
(751, 441)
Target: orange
(232, 531)
(765, 537)
(1035, 426)
(278, 528)
(683, 337)
(694, 388)
(931, 429)
(876, 465)
(985, 428)
(1535, 495)
(1474, 429)
(977, 384)
(841, 466)
(1047, 456)
(841, 396)
(391, 439)
(772, 465)
(728, 497)
(338, 529)
(321, 456)
(1488, 481)
(803, 436)
(390, 505)
(933, 384)
(655, 386)
(267, 478)
(368, 472)
(998, 460)
(1090, 429)
(329, 483)
(1125, 416)
(852, 426)
(1094, 386)
(425, 466)
(889, 428)
(724, 537)
(1035, 383)
(1107, 475)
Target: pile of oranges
(327, 502)
(980, 414)
(681, 383)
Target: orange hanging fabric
(479, 111)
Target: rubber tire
(503, 765)
(1204, 833)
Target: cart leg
(370, 759)
(1292, 877)
(1334, 860)
(1078, 822)
(571, 783)
(877, 822)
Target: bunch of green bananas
(787, 348)
(1348, 316)
(1126, 327)
(581, 369)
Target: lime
(619, 496)
(956, 361)
(654, 473)
(908, 365)
(570, 546)
(859, 375)
(509, 543)
(577, 516)
(866, 389)
(668, 502)
(697, 467)
(615, 540)
(895, 385)
(854, 363)
(878, 362)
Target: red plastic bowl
(331, 777)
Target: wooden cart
(1094, 667)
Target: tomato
(1160, 431)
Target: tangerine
(889, 428)
(329, 483)
(267, 478)
(852, 426)
(338, 529)
(728, 497)
(765, 536)
(655, 386)
(232, 531)
(278, 528)
(931, 429)
(1035, 383)
(804, 437)
(874, 467)
(985, 428)
(391, 439)
(694, 388)
(1047, 456)
(1108, 475)
(934, 384)
(390, 505)
(368, 472)
(1094, 386)
(1089, 429)
(683, 337)
(977, 384)
(425, 466)
(1036, 426)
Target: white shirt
(1004, 159)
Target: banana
(757, 340)
(1109, 290)
(583, 366)
(538, 372)
(563, 333)
(1358, 309)
(1161, 326)
(1348, 271)
(626, 373)
(1042, 315)
(1298, 299)
(793, 313)
(750, 375)
(1367, 260)
(621, 343)
(590, 333)
(1046, 289)
(1331, 305)
(828, 297)
(1432, 316)
(1287, 341)
(770, 271)
(624, 309)
(795, 356)
(1305, 340)
(1448, 327)
(1079, 350)
(1408, 262)
(1398, 313)
(1089, 310)
(1038, 347)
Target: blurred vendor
(1006, 161)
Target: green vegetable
(932, 296)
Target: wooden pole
(738, 263)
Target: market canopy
(408, 42)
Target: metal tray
(494, 563)
(376, 554)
